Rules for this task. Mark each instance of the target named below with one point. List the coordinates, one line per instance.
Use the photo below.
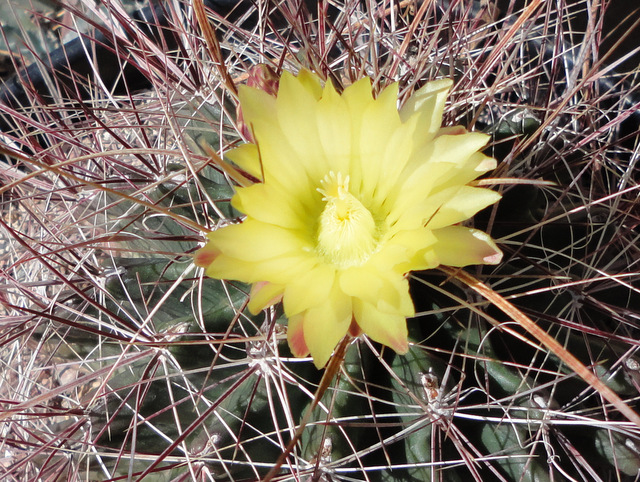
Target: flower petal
(258, 107)
(387, 290)
(280, 270)
(334, 128)
(460, 246)
(299, 131)
(427, 104)
(247, 158)
(254, 240)
(326, 324)
(263, 295)
(388, 328)
(361, 282)
(447, 161)
(205, 255)
(306, 79)
(397, 154)
(309, 289)
(475, 166)
(358, 98)
(462, 203)
(281, 163)
(379, 123)
(395, 297)
(268, 204)
(295, 336)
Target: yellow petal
(389, 290)
(395, 297)
(263, 295)
(358, 98)
(268, 204)
(457, 149)
(475, 166)
(361, 282)
(460, 246)
(326, 324)
(396, 155)
(297, 119)
(205, 255)
(309, 289)
(276, 156)
(253, 240)
(379, 123)
(413, 240)
(295, 336)
(280, 270)
(308, 80)
(281, 163)
(258, 107)
(462, 203)
(334, 128)
(427, 104)
(447, 161)
(388, 328)
(246, 157)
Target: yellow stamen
(347, 230)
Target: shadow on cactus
(121, 359)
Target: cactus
(122, 360)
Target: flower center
(347, 230)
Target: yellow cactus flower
(354, 193)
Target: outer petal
(460, 246)
(407, 206)
(282, 164)
(395, 157)
(462, 203)
(334, 127)
(379, 123)
(295, 336)
(258, 107)
(326, 324)
(395, 297)
(280, 270)
(388, 291)
(205, 255)
(413, 240)
(309, 289)
(427, 104)
(358, 98)
(267, 204)
(457, 149)
(308, 80)
(475, 166)
(448, 160)
(254, 241)
(264, 295)
(277, 147)
(388, 328)
(361, 282)
(246, 157)
(297, 119)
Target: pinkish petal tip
(493, 258)
(295, 337)
(205, 256)
(400, 346)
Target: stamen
(347, 230)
